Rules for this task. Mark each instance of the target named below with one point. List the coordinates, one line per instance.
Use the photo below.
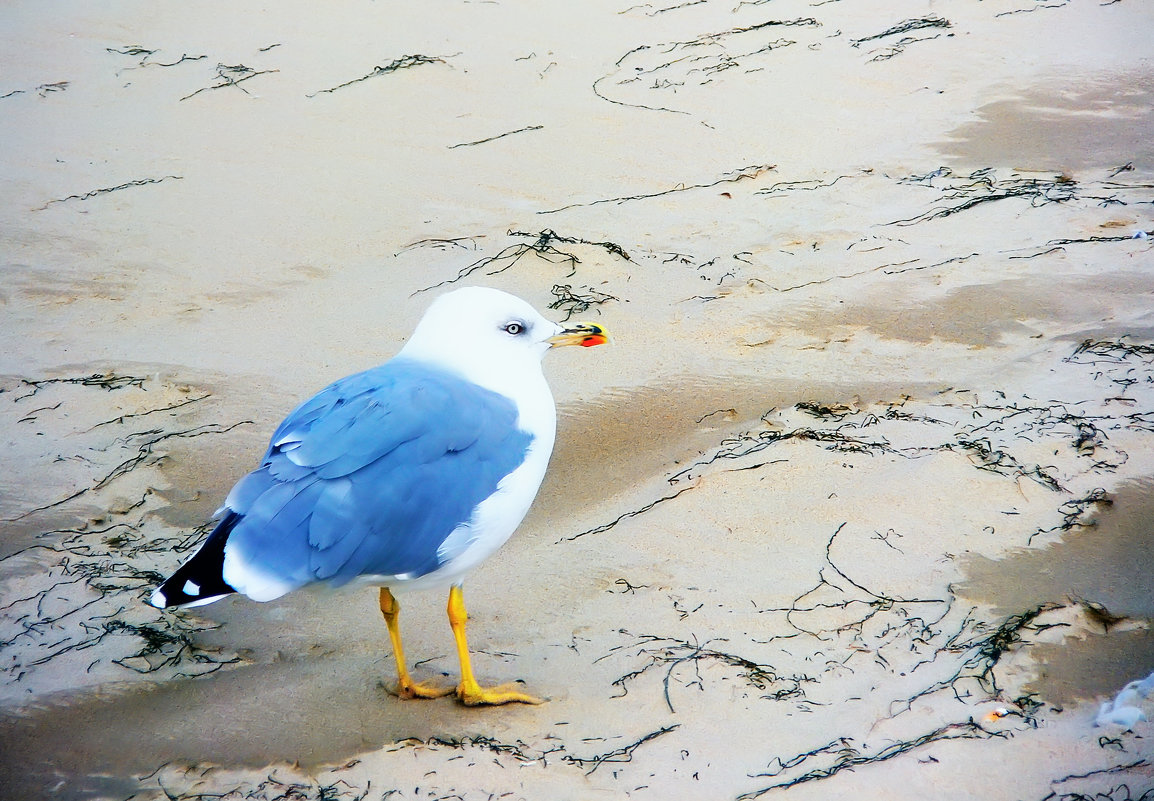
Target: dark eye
(514, 328)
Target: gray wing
(372, 474)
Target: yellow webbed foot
(469, 691)
(473, 694)
(409, 689)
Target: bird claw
(408, 690)
(475, 695)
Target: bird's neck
(520, 380)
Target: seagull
(408, 475)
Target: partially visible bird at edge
(406, 476)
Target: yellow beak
(584, 334)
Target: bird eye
(514, 328)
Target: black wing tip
(166, 596)
(199, 580)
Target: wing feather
(371, 475)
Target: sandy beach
(858, 504)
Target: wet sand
(869, 459)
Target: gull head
(478, 332)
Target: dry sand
(871, 456)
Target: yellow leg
(406, 687)
(471, 693)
